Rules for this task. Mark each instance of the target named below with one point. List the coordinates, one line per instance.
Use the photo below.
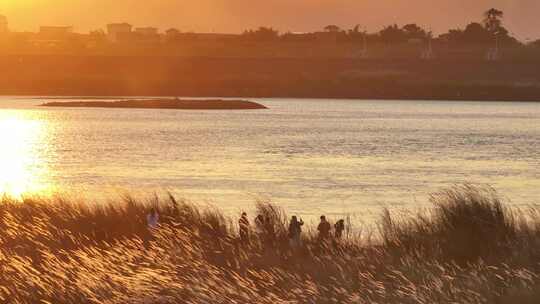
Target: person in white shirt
(152, 219)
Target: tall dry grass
(469, 249)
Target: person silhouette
(270, 231)
(243, 224)
(338, 228)
(295, 231)
(259, 224)
(324, 228)
(152, 222)
(152, 219)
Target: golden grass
(471, 249)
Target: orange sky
(294, 15)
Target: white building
(115, 31)
(3, 24)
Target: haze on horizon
(285, 15)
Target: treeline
(489, 30)
(485, 39)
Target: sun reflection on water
(21, 167)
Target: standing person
(260, 229)
(295, 231)
(324, 228)
(270, 231)
(338, 228)
(259, 224)
(152, 219)
(243, 223)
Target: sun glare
(20, 165)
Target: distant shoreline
(226, 98)
(162, 103)
(239, 78)
(397, 92)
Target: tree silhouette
(489, 31)
(261, 34)
(535, 44)
(355, 29)
(413, 31)
(332, 28)
(453, 36)
(476, 33)
(392, 34)
(493, 20)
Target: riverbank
(377, 78)
(179, 104)
(470, 249)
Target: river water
(309, 156)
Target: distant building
(147, 31)
(3, 24)
(116, 31)
(55, 32)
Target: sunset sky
(294, 15)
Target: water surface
(310, 156)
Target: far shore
(245, 78)
(162, 103)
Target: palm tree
(492, 20)
(493, 24)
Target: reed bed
(470, 248)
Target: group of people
(266, 227)
(325, 228)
